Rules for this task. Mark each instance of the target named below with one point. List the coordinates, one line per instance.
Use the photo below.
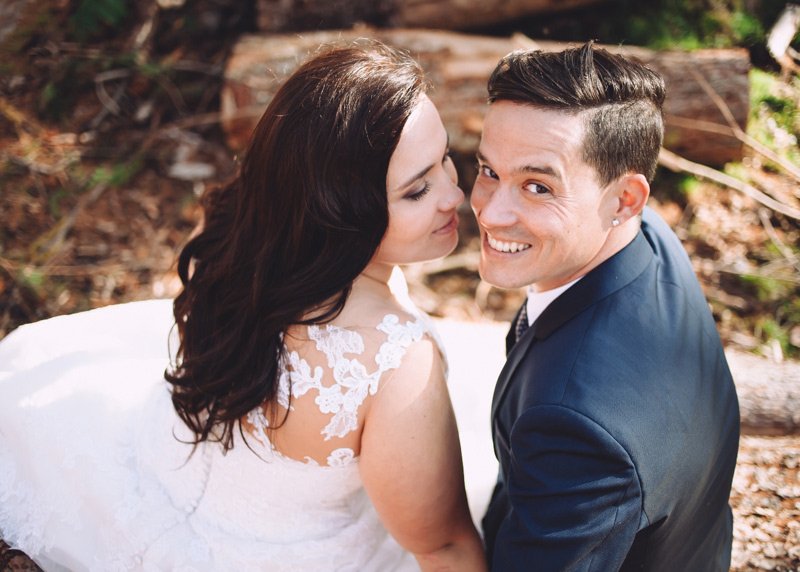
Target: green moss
(689, 185)
(94, 18)
(114, 175)
(768, 289)
(32, 278)
(770, 329)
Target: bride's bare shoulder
(366, 310)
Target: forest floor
(99, 181)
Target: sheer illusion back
(287, 496)
(328, 374)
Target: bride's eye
(418, 194)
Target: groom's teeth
(506, 246)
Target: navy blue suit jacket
(616, 424)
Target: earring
(615, 222)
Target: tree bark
(288, 15)
(459, 66)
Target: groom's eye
(536, 188)
(486, 171)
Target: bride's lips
(449, 227)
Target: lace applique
(302, 379)
(259, 422)
(341, 457)
(352, 380)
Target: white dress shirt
(538, 301)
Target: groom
(615, 419)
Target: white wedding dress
(93, 475)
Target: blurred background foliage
(668, 24)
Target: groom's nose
(494, 208)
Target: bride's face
(422, 192)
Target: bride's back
(289, 492)
(331, 373)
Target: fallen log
(769, 394)
(459, 65)
(286, 15)
(465, 14)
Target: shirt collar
(538, 301)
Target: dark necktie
(522, 323)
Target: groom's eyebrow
(524, 168)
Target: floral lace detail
(400, 337)
(302, 379)
(341, 457)
(352, 380)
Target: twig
(92, 269)
(756, 273)
(738, 132)
(172, 92)
(142, 37)
(718, 101)
(18, 118)
(676, 163)
(45, 246)
(711, 127)
(109, 102)
(698, 125)
(197, 121)
(787, 253)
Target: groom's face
(543, 217)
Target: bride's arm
(411, 465)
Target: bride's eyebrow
(424, 171)
(419, 175)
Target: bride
(303, 422)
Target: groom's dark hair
(621, 101)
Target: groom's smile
(506, 246)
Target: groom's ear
(633, 190)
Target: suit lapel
(615, 273)
(513, 357)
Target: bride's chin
(435, 256)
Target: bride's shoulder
(382, 326)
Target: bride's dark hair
(282, 243)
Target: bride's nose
(452, 197)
